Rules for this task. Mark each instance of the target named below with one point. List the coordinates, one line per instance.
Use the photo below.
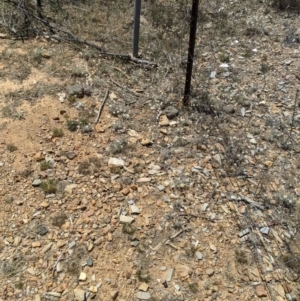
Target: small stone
(213, 248)
(160, 187)
(47, 248)
(53, 294)
(198, 255)
(265, 230)
(93, 289)
(69, 188)
(143, 180)
(44, 204)
(82, 276)
(143, 295)
(58, 267)
(70, 155)
(260, 291)
(36, 244)
(135, 243)
(125, 191)
(279, 289)
(163, 120)
(39, 157)
(204, 207)
(36, 182)
(126, 219)
(177, 287)
(244, 232)
(146, 142)
(213, 74)
(209, 272)
(143, 287)
(31, 271)
(116, 162)
(171, 112)
(217, 159)
(79, 294)
(89, 262)
(114, 295)
(37, 297)
(168, 275)
(88, 213)
(72, 244)
(134, 209)
(1, 164)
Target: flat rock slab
(209, 272)
(126, 219)
(79, 294)
(143, 295)
(116, 162)
(260, 291)
(169, 274)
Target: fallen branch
(54, 29)
(102, 106)
(125, 88)
(252, 203)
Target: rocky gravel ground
(154, 201)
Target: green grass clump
(49, 186)
(57, 132)
(45, 165)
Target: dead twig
(123, 87)
(102, 106)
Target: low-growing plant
(193, 287)
(128, 229)
(59, 219)
(78, 71)
(11, 147)
(57, 132)
(190, 252)
(45, 165)
(241, 256)
(49, 186)
(143, 276)
(37, 55)
(73, 125)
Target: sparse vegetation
(73, 125)
(143, 276)
(44, 165)
(90, 166)
(128, 229)
(57, 132)
(59, 219)
(49, 186)
(191, 251)
(11, 147)
(193, 287)
(241, 256)
(228, 161)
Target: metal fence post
(189, 69)
(136, 31)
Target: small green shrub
(44, 165)
(11, 147)
(57, 132)
(49, 186)
(143, 276)
(73, 125)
